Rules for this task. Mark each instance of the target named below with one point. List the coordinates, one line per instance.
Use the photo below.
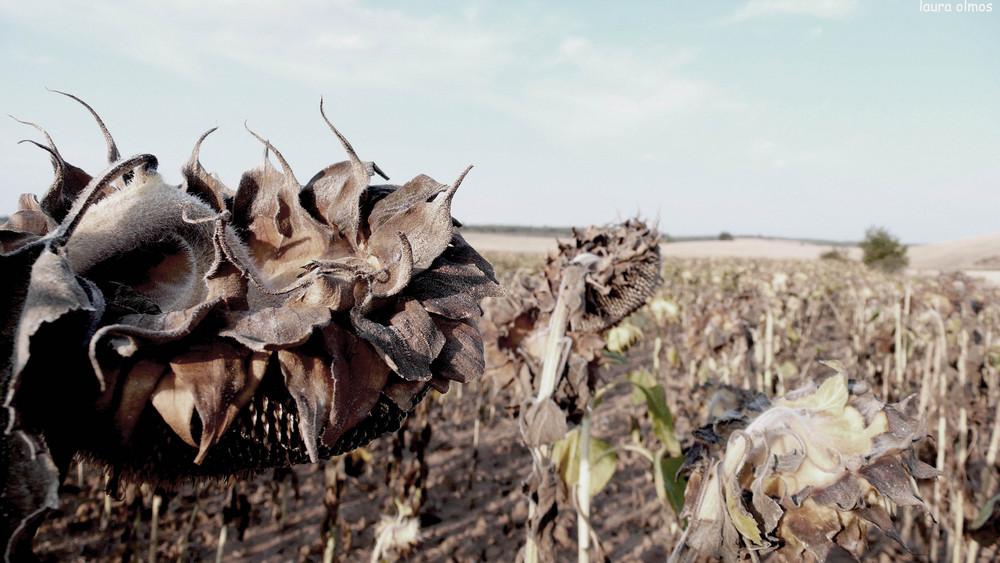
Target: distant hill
(568, 231)
(981, 252)
(519, 230)
(818, 242)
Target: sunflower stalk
(583, 489)
(154, 525)
(470, 484)
(553, 362)
(592, 284)
(106, 504)
(958, 502)
(220, 548)
(555, 349)
(899, 344)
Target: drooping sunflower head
(805, 476)
(197, 330)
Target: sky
(786, 118)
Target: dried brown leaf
(542, 422)
(461, 359)
(221, 378)
(421, 210)
(283, 236)
(199, 182)
(408, 344)
(54, 292)
(137, 389)
(30, 490)
(273, 328)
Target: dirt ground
(475, 509)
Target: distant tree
(725, 236)
(883, 251)
(833, 254)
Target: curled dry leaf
(186, 331)
(804, 477)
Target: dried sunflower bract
(169, 332)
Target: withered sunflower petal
(221, 377)
(312, 385)
(199, 182)
(272, 328)
(360, 377)
(455, 284)
(408, 344)
(461, 359)
(283, 237)
(139, 383)
(421, 210)
(889, 477)
(334, 194)
(845, 493)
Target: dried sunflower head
(604, 274)
(803, 477)
(193, 330)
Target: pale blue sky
(787, 118)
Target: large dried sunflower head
(175, 331)
(804, 476)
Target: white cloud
(767, 152)
(824, 9)
(591, 91)
(314, 39)
(568, 85)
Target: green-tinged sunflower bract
(169, 332)
(803, 477)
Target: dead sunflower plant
(547, 335)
